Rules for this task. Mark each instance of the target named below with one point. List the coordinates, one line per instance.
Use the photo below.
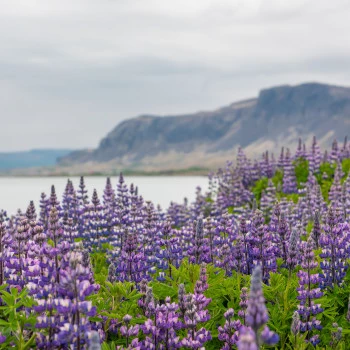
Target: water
(16, 192)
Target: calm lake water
(16, 192)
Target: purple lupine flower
(247, 340)
(149, 302)
(308, 290)
(31, 213)
(257, 316)
(3, 229)
(262, 251)
(70, 202)
(226, 254)
(280, 163)
(256, 312)
(336, 335)
(334, 244)
(335, 193)
(229, 333)
(202, 284)
(199, 251)
(314, 157)
(75, 287)
(346, 196)
(243, 304)
(132, 264)
(267, 166)
(334, 156)
(94, 341)
(268, 198)
(269, 337)
(128, 331)
(289, 180)
(316, 230)
(295, 327)
(82, 192)
(300, 152)
(169, 249)
(182, 300)
(161, 328)
(243, 230)
(111, 277)
(192, 307)
(283, 234)
(209, 233)
(293, 250)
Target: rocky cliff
(278, 116)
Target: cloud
(71, 70)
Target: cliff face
(277, 117)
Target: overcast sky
(70, 70)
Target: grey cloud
(71, 70)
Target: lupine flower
(262, 252)
(192, 310)
(256, 312)
(257, 315)
(333, 243)
(132, 264)
(243, 304)
(316, 231)
(293, 250)
(336, 335)
(127, 330)
(229, 333)
(308, 290)
(199, 251)
(94, 343)
(161, 329)
(289, 181)
(295, 327)
(201, 284)
(247, 340)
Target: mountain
(32, 158)
(278, 116)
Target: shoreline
(125, 172)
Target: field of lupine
(259, 262)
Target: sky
(70, 71)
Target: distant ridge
(32, 158)
(278, 116)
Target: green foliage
(277, 180)
(346, 166)
(259, 187)
(230, 210)
(100, 266)
(301, 168)
(209, 200)
(14, 318)
(115, 300)
(291, 196)
(309, 227)
(224, 292)
(327, 168)
(281, 300)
